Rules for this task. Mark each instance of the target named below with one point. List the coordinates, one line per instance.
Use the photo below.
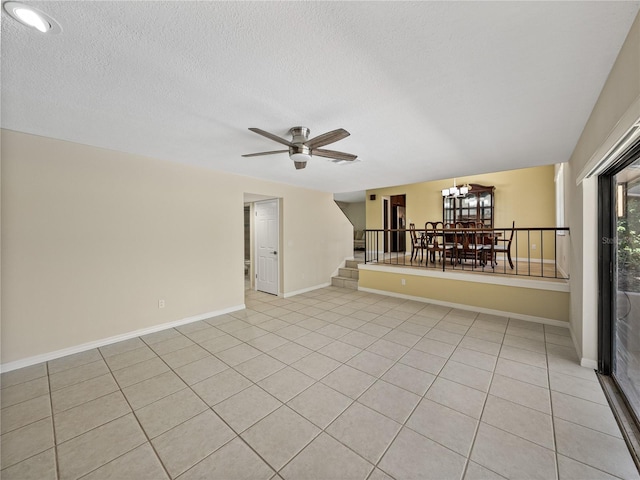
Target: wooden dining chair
(503, 245)
(417, 243)
(472, 245)
(436, 242)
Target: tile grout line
(53, 423)
(137, 420)
(424, 396)
(553, 417)
(239, 435)
(53, 414)
(341, 363)
(323, 430)
(210, 407)
(402, 425)
(31, 422)
(484, 404)
(591, 429)
(549, 371)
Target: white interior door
(267, 235)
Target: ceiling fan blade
(265, 153)
(327, 138)
(320, 152)
(273, 137)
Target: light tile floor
(330, 384)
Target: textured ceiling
(428, 90)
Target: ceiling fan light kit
(301, 149)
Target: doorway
(267, 239)
(386, 221)
(619, 279)
(247, 247)
(395, 218)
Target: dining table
(448, 237)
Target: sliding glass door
(620, 278)
(626, 365)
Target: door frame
(607, 259)
(249, 206)
(386, 222)
(398, 239)
(627, 416)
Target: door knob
(275, 253)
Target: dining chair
(503, 245)
(472, 244)
(437, 242)
(417, 243)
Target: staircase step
(351, 264)
(344, 282)
(349, 273)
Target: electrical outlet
(403, 282)
(160, 303)
(534, 246)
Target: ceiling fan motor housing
(299, 134)
(299, 152)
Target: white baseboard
(45, 357)
(547, 261)
(576, 345)
(461, 306)
(305, 290)
(584, 362)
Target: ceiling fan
(301, 149)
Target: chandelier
(456, 191)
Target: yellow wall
(526, 195)
(544, 304)
(92, 239)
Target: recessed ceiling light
(32, 17)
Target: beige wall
(92, 239)
(529, 302)
(618, 106)
(356, 213)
